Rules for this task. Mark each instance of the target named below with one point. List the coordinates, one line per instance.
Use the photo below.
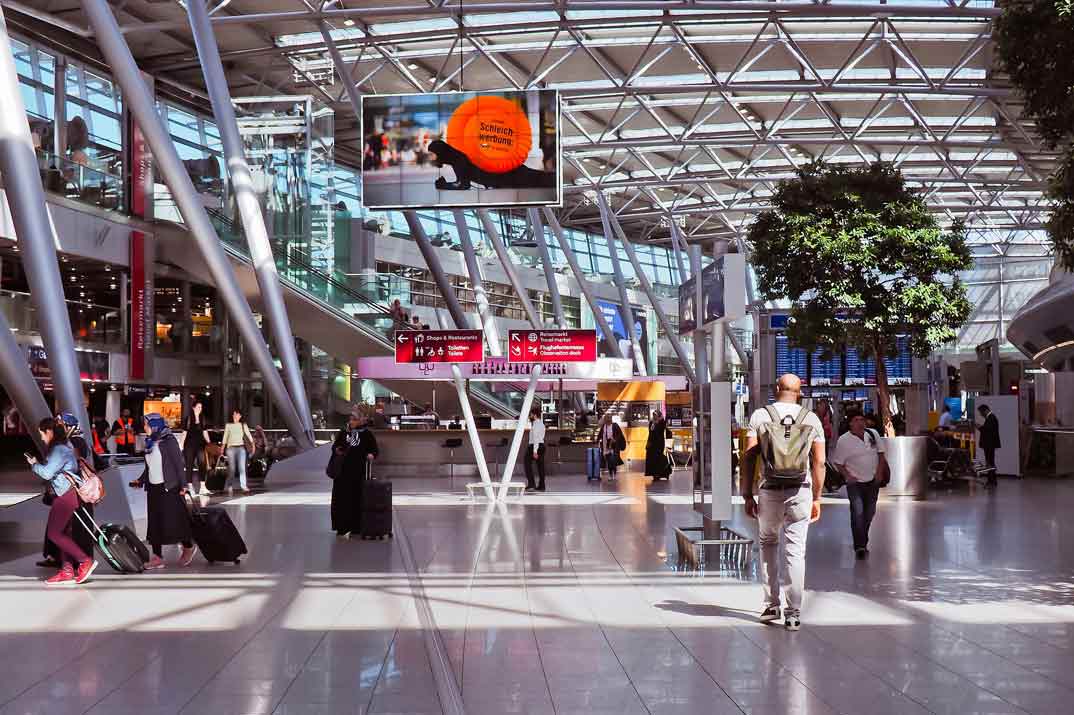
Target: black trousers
(990, 460)
(194, 459)
(528, 463)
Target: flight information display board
(788, 359)
(825, 371)
(860, 371)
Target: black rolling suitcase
(376, 507)
(215, 534)
(116, 543)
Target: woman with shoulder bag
(353, 450)
(612, 441)
(657, 465)
(59, 470)
(238, 443)
(165, 485)
(82, 536)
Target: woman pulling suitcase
(165, 485)
(352, 451)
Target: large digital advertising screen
(461, 149)
(626, 345)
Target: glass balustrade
(80, 182)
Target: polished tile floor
(562, 604)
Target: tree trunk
(883, 397)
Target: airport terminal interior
(574, 356)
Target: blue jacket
(61, 458)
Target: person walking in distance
(238, 441)
(60, 470)
(197, 436)
(354, 449)
(123, 431)
(988, 441)
(789, 440)
(859, 457)
(535, 452)
(167, 520)
(612, 441)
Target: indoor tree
(863, 261)
(1035, 45)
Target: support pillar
(672, 331)
(583, 284)
(462, 389)
(701, 361)
(143, 107)
(484, 312)
(516, 440)
(447, 291)
(676, 241)
(268, 280)
(546, 265)
(626, 313)
(509, 268)
(29, 214)
(20, 384)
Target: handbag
(89, 485)
(335, 464)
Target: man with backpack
(789, 439)
(859, 456)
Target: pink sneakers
(85, 570)
(64, 577)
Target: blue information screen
(789, 359)
(860, 371)
(825, 372)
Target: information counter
(424, 453)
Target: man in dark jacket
(988, 441)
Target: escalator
(325, 310)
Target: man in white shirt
(859, 456)
(784, 506)
(535, 452)
(945, 418)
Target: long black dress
(656, 461)
(355, 445)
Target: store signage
(493, 369)
(142, 318)
(551, 346)
(429, 346)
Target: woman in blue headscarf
(165, 484)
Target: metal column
(447, 292)
(471, 431)
(516, 440)
(676, 240)
(253, 221)
(29, 214)
(546, 265)
(488, 321)
(626, 312)
(143, 107)
(20, 384)
(701, 350)
(341, 70)
(583, 284)
(671, 331)
(509, 268)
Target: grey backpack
(785, 444)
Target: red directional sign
(425, 346)
(551, 346)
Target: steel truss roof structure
(679, 110)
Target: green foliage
(1035, 45)
(862, 260)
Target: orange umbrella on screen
(493, 132)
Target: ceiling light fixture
(348, 22)
(412, 66)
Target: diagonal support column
(671, 331)
(520, 429)
(701, 350)
(19, 382)
(583, 284)
(341, 69)
(626, 312)
(29, 214)
(447, 291)
(676, 243)
(509, 268)
(546, 265)
(253, 221)
(471, 431)
(143, 107)
(488, 321)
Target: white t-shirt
(761, 417)
(859, 456)
(155, 466)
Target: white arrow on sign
(402, 338)
(516, 336)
